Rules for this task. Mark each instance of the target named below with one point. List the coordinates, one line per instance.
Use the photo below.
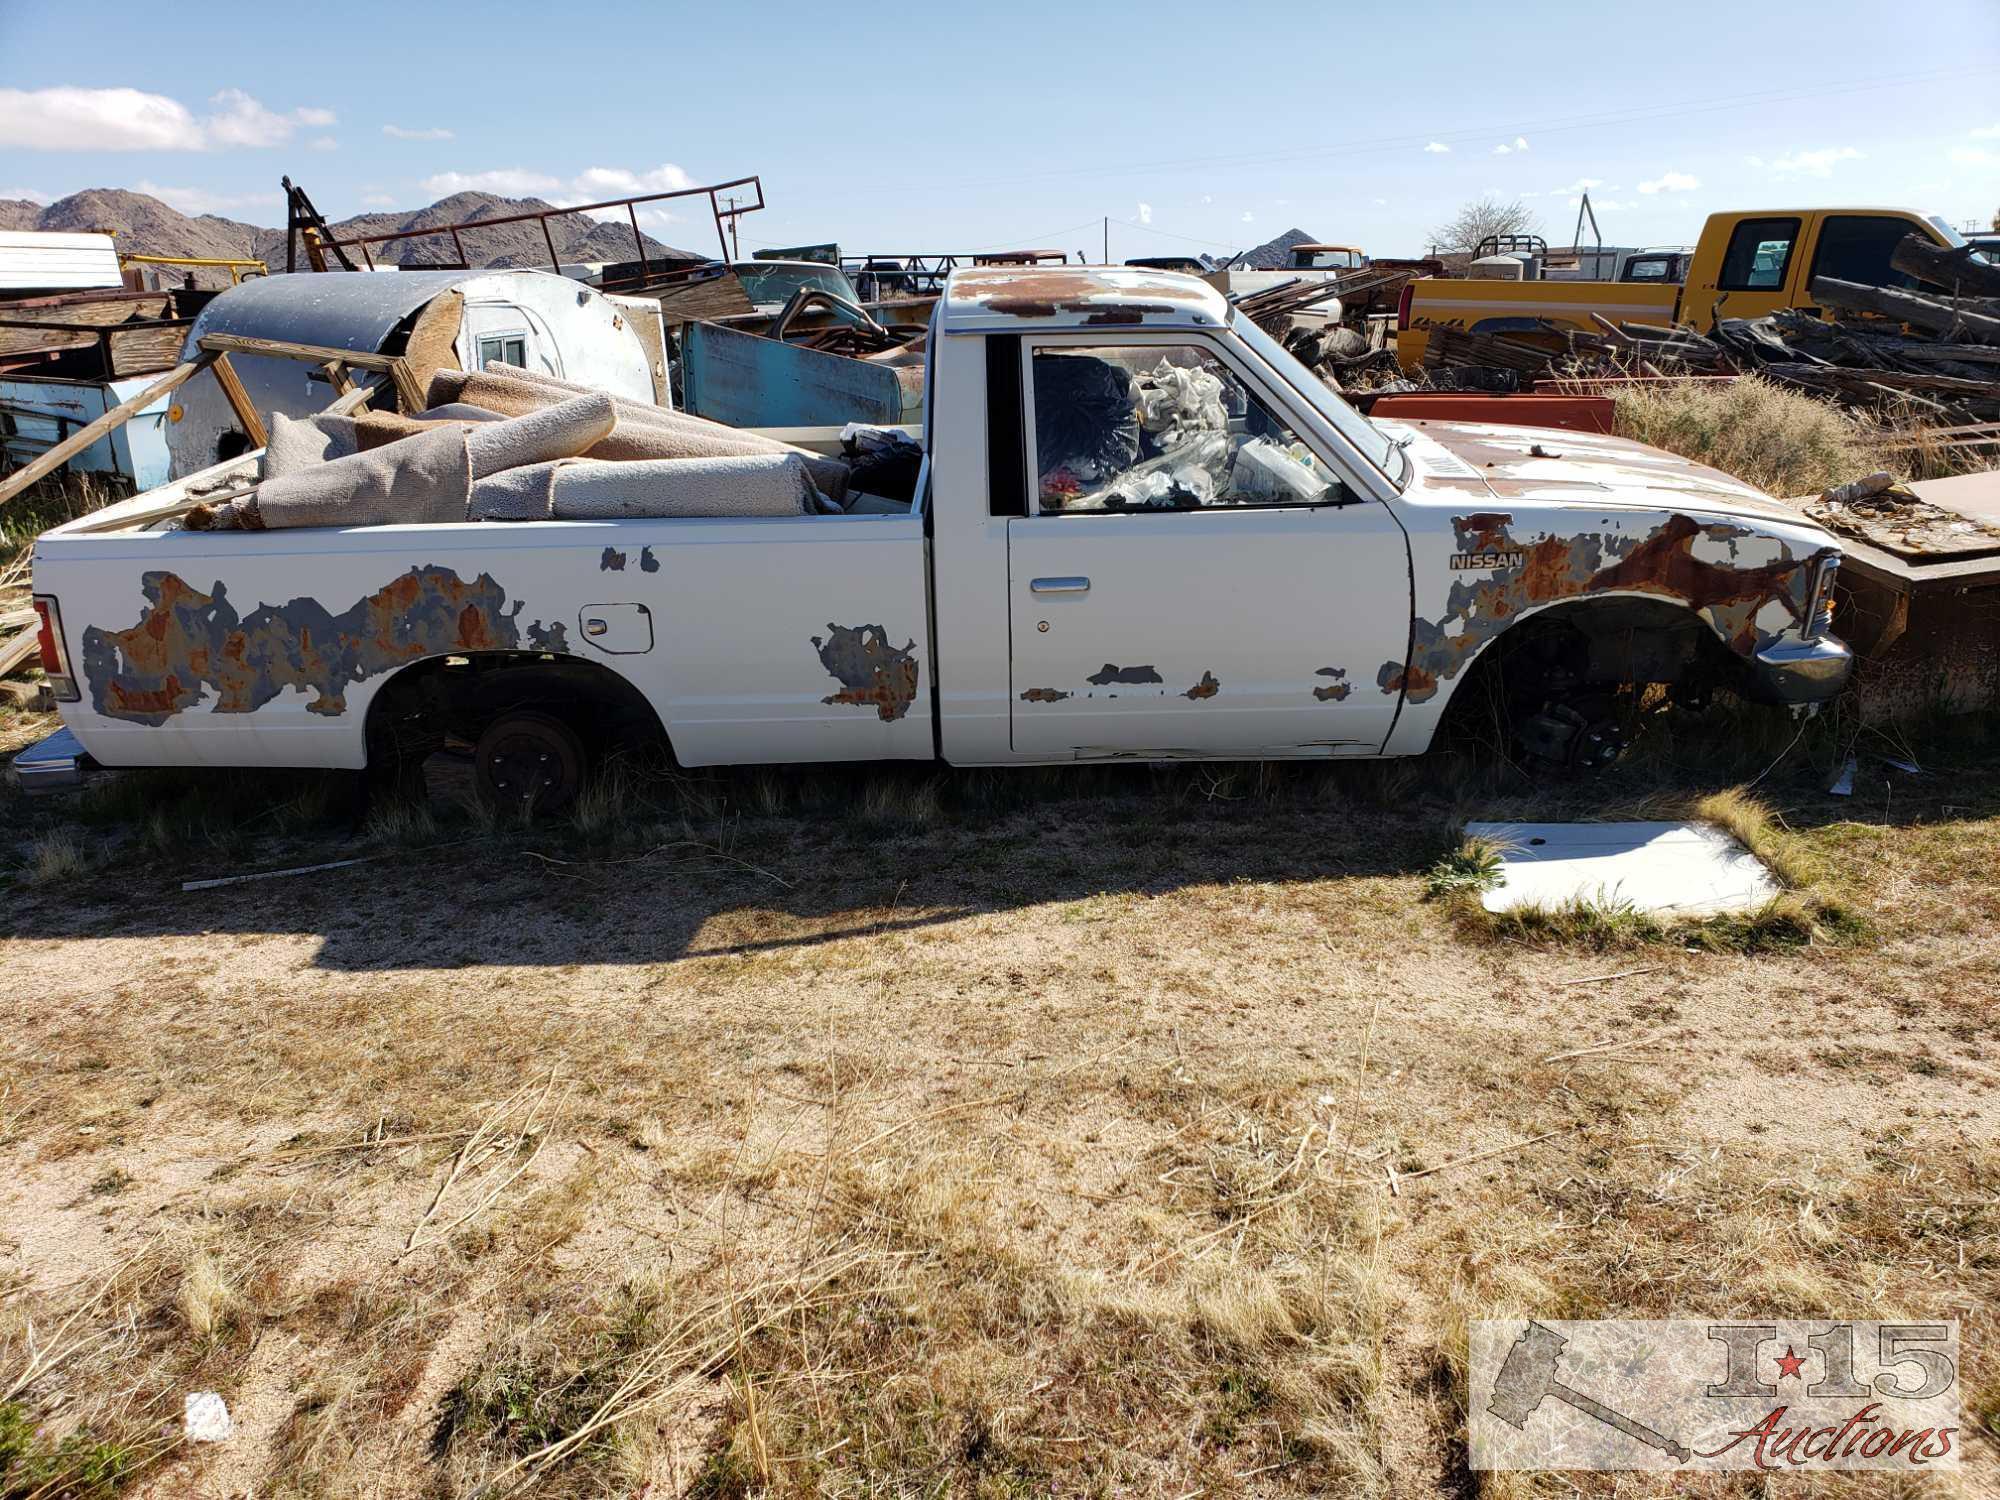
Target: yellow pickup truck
(1746, 265)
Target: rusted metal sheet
(1524, 573)
(188, 643)
(749, 381)
(1093, 297)
(870, 670)
(1337, 690)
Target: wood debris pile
(1932, 349)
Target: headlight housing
(1819, 604)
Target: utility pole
(1107, 239)
(735, 245)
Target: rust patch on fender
(613, 561)
(1208, 687)
(1044, 695)
(1338, 689)
(1484, 532)
(188, 642)
(1108, 674)
(1555, 568)
(869, 669)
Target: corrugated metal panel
(34, 261)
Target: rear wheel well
(446, 698)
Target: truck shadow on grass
(659, 866)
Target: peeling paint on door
(869, 669)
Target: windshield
(777, 284)
(1375, 445)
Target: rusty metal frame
(541, 216)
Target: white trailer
(440, 319)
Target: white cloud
(122, 119)
(33, 195)
(1811, 163)
(1380, 202)
(323, 143)
(1208, 197)
(404, 133)
(510, 182)
(1581, 185)
(378, 200)
(1436, 148)
(1248, 217)
(1145, 213)
(1985, 133)
(1520, 143)
(592, 185)
(1973, 156)
(1503, 149)
(1671, 182)
(240, 120)
(196, 200)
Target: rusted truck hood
(1579, 468)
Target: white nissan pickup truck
(1141, 531)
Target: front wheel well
(1595, 645)
(445, 698)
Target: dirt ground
(1157, 1137)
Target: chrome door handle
(1059, 586)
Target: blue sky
(1191, 127)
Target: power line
(1555, 125)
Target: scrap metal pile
(1337, 350)
(1934, 351)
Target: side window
(1158, 427)
(504, 349)
(1651, 268)
(1759, 252)
(1852, 248)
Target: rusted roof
(984, 298)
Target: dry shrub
(1782, 441)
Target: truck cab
(1745, 265)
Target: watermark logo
(1778, 1396)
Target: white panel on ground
(1669, 869)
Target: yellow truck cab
(1746, 265)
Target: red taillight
(1403, 307)
(55, 661)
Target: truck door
(1191, 579)
(1755, 277)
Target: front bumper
(1794, 672)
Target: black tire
(529, 764)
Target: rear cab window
(1855, 247)
(1759, 255)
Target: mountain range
(144, 225)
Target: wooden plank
(312, 354)
(17, 651)
(337, 376)
(239, 401)
(412, 395)
(81, 439)
(1927, 313)
(350, 403)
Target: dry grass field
(1134, 1133)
